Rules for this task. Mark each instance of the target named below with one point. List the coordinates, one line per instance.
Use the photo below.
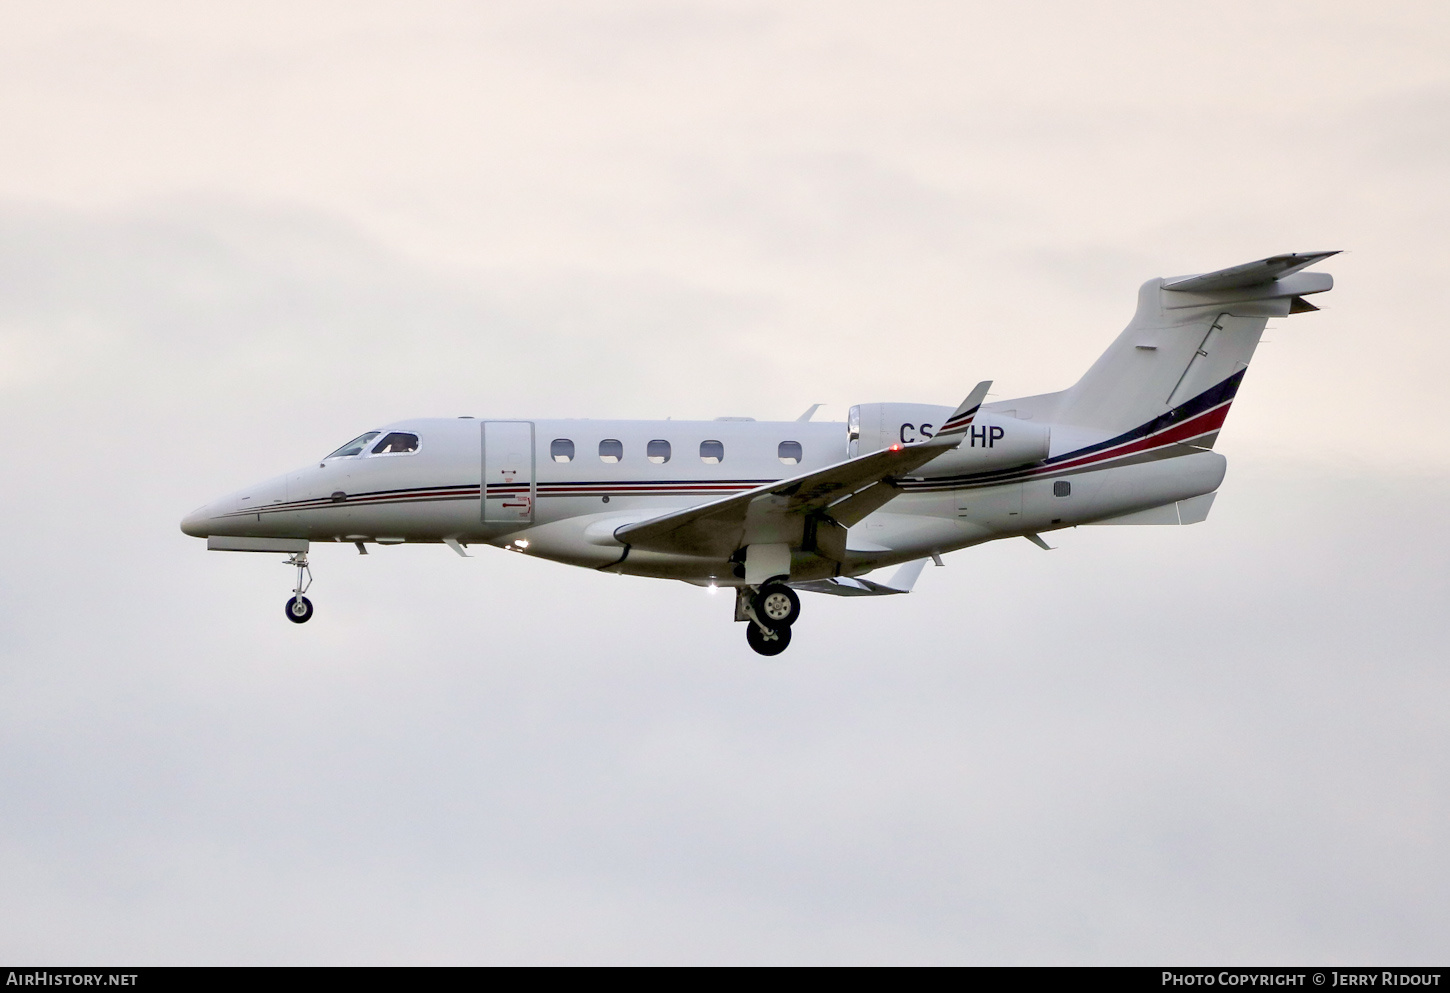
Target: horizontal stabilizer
(1248, 274)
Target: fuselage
(776, 507)
(560, 489)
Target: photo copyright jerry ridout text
(1378, 977)
(70, 979)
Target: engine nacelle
(994, 441)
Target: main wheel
(779, 640)
(299, 610)
(777, 606)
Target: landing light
(522, 542)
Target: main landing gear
(299, 608)
(770, 610)
(767, 642)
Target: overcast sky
(232, 237)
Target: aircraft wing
(846, 492)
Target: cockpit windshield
(355, 446)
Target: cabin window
(1062, 488)
(712, 452)
(355, 446)
(611, 450)
(396, 443)
(658, 451)
(789, 452)
(561, 450)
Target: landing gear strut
(770, 611)
(299, 608)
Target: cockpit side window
(396, 443)
(355, 446)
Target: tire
(777, 606)
(299, 610)
(774, 647)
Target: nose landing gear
(299, 608)
(770, 610)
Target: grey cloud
(1408, 130)
(293, 306)
(1217, 742)
(618, 41)
(826, 208)
(1207, 743)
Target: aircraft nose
(195, 523)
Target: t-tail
(1172, 374)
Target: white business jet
(772, 507)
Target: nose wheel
(299, 608)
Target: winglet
(809, 413)
(956, 426)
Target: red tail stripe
(1209, 420)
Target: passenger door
(508, 472)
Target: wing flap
(901, 581)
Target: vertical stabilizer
(1183, 356)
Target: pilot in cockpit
(396, 443)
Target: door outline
(506, 510)
(992, 507)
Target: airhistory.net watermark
(38, 978)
